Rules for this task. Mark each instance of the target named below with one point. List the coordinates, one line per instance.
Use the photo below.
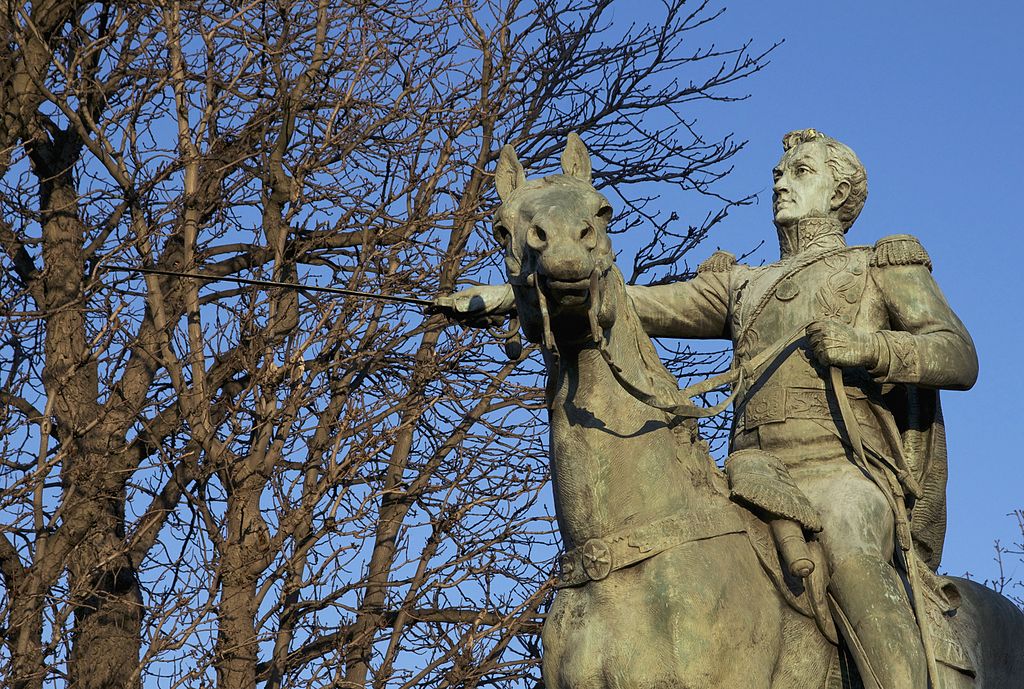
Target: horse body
(702, 612)
(991, 629)
(668, 620)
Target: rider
(876, 314)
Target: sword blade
(273, 283)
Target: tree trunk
(104, 589)
(242, 560)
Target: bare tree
(1004, 579)
(206, 482)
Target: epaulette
(718, 262)
(900, 250)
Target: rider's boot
(871, 595)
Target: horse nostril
(537, 238)
(586, 233)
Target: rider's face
(804, 186)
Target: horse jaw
(571, 308)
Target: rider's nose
(537, 238)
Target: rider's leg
(858, 538)
(872, 596)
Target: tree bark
(103, 584)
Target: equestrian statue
(809, 561)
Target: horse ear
(575, 159)
(508, 174)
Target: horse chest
(609, 468)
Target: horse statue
(665, 580)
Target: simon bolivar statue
(868, 320)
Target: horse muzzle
(567, 293)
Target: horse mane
(653, 369)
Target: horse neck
(617, 461)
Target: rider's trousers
(858, 538)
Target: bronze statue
(877, 314)
(671, 575)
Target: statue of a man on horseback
(858, 444)
(843, 350)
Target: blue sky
(929, 96)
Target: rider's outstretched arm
(697, 308)
(481, 306)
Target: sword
(273, 283)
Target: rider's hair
(845, 166)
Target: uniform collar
(811, 235)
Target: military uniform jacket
(888, 290)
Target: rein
(679, 402)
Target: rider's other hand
(837, 344)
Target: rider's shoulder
(899, 250)
(718, 262)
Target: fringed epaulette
(718, 262)
(900, 250)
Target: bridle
(678, 404)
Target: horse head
(554, 233)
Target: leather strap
(680, 404)
(599, 557)
(895, 497)
(854, 644)
(850, 422)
